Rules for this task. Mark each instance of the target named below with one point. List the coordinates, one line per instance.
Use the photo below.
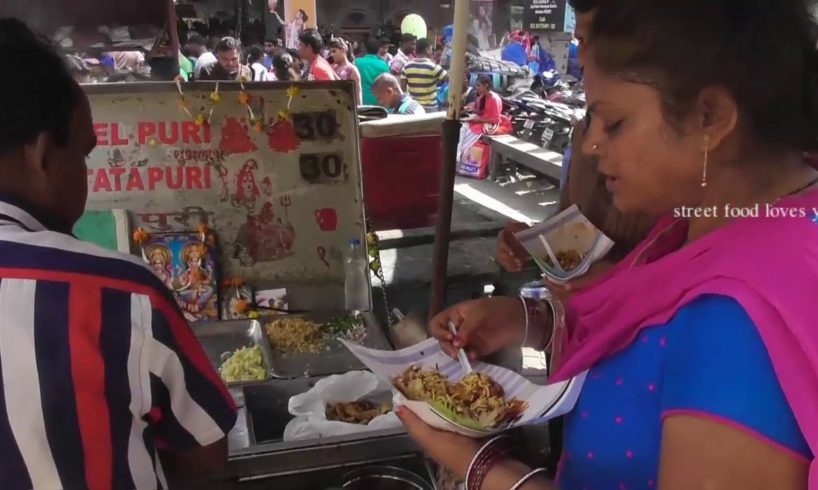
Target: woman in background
(341, 59)
(487, 116)
(295, 28)
(285, 68)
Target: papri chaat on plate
(476, 402)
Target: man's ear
(718, 114)
(34, 153)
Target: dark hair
(583, 6)
(197, 40)
(385, 42)
(304, 15)
(42, 100)
(283, 67)
(312, 38)
(373, 45)
(255, 54)
(422, 46)
(485, 80)
(761, 51)
(338, 43)
(227, 44)
(408, 38)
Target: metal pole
(451, 138)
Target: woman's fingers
(439, 329)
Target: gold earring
(706, 158)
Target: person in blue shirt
(386, 88)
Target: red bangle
(484, 463)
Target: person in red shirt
(310, 46)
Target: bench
(515, 151)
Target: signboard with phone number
(545, 15)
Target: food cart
(271, 174)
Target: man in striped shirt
(104, 385)
(421, 77)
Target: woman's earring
(706, 158)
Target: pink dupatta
(769, 265)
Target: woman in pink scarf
(700, 346)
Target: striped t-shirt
(423, 76)
(100, 369)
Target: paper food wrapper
(309, 408)
(569, 230)
(544, 402)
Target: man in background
(271, 48)
(383, 52)
(196, 46)
(370, 68)
(421, 77)
(406, 52)
(104, 384)
(386, 89)
(310, 45)
(228, 66)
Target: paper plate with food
(341, 404)
(566, 245)
(489, 400)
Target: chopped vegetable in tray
(360, 412)
(350, 327)
(245, 364)
(476, 401)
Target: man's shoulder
(58, 253)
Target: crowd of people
(408, 80)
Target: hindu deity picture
(186, 265)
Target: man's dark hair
(407, 38)
(385, 42)
(41, 97)
(197, 40)
(255, 54)
(485, 80)
(649, 42)
(227, 44)
(312, 38)
(423, 46)
(583, 6)
(373, 45)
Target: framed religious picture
(186, 264)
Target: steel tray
(218, 338)
(336, 359)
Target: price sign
(544, 15)
(312, 126)
(322, 168)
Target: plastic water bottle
(356, 285)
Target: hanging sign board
(275, 173)
(545, 15)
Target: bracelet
(482, 449)
(486, 465)
(525, 310)
(527, 477)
